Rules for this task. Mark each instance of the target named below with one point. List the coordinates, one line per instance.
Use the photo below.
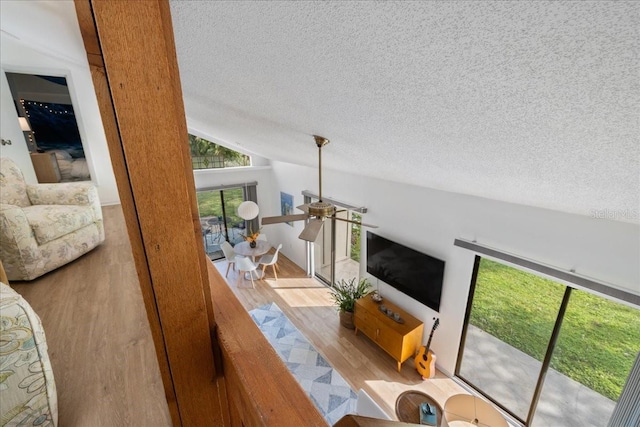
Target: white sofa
(44, 226)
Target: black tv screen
(411, 272)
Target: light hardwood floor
(307, 303)
(103, 356)
(100, 344)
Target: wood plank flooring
(100, 344)
(103, 356)
(308, 304)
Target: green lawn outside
(209, 203)
(356, 236)
(599, 338)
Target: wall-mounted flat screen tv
(411, 272)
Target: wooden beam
(133, 63)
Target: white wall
(44, 38)
(429, 221)
(10, 130)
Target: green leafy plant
(346, 292)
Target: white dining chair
(270, 260)
(245, 265)
(230, 255)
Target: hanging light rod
(321, 141)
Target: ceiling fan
(318, 211)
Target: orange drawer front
(366, 325)
(391, 342)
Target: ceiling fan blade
(356, 222)
(283, 218)
(311, 231)
(304, 208)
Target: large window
(543, 351)
(218, 205)
(208, 155)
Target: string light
(47, 107)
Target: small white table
(243, 248)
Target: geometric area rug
(325, 386)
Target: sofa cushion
(50, 222)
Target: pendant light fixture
(247, 210)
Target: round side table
(408, 406)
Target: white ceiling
(534, 103)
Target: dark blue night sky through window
(55, 126)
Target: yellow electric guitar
(425, 360)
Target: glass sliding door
(347, 248)
(591, 360)
(546, 353)
(491, 327)
(218, 219)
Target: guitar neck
(435, 325)
(428, 346)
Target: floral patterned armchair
(44, 226)
(27, 387)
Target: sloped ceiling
(534, 103)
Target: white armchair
(44, 226)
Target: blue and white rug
(324, 385)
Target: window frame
(551, 345)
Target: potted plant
(251, 236)
(345, 293)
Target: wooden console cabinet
(400, 340)
(46, 167)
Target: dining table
(244, 249)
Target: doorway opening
(347, 249)
(347, 244)
(540, 349)
(219, 220)
(48, 120)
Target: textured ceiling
(528, 102)
(535, 103)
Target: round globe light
(248, 210)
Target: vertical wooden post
(133, 63)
